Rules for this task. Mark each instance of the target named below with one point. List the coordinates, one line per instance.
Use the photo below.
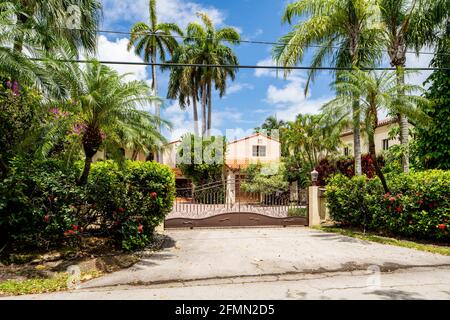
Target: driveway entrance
(228, 204)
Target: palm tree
(313, 137)
(348, 33)
(154, 39)
(50, 21)
(409, 24)
(270, 124)
(206, 45)
(376, 91)
(105, 107)
(184, 83)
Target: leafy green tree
(312, 137)
(206, 45)
(265, 179)
(376, 91)
(202, 159)
(101, 106)
(348, 33)
(154, 39)
(410, 24)
(48, 22)
(433, 139)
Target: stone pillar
(293, 191)
(160, 229)
(231, 188)
(314, 206)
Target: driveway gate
(227, 204)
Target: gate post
(314, 201)
(313, 206)
(231, 188)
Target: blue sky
(255, 94)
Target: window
(346, 151)
(259, 151)
(385, 144)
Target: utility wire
(262, 42)
(191, 65)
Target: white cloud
(237, 87)
(179, 11)
(117, 51)
(290, 99)
(265, 72)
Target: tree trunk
(156, 103)
(87, 168)
(204, 98)
(194, 106)
(357, 136)
(209, 126)
(373, 155)
(403, 122)
(135, 155)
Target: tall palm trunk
(403, 122)
(356, 108)
(209, 125)
(156, 103)
(204, 102)
(194, 106)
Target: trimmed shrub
(41, 205)
(37, 202)
(418, 206)
(354, 201)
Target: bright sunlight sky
(255, 94)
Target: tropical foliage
(418, 205)
(204, 45)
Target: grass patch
(41, 285)
(433, 248)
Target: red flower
(46, 218)
(387, 195)
(140, 228)
(74, 227)
(399, 195)
(442, 226)
(389, 207)
(122, 210)
(420, 201)
(392, 199)
(153, 195)
(399, 209)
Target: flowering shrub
(41, 205)
(346, 166)
(37, 201)
(418, 205)
(133, 199)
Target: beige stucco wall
(169, 155)
(381, 133)
(242, 150)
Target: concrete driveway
(226, 256)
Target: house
(382, 140)
(257, 148)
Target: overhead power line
(261, 42)
(189, 65)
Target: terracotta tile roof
(381, 123)
(254, 135)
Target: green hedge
(418, 205)
(41, 205)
